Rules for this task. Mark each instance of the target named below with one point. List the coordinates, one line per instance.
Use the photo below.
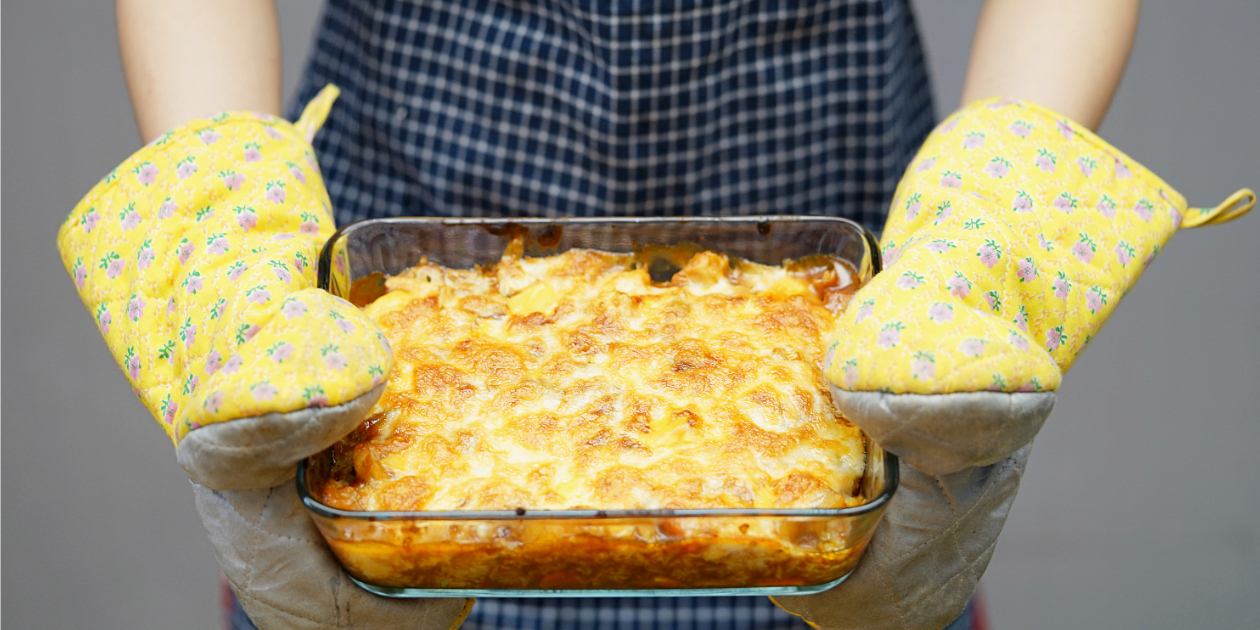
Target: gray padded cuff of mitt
(287, 579)
(262, 451)
(927, 556)
(945, 433)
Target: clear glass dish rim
(891, 463)
(324, 271)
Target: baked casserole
(575, 381)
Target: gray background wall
(1140, 509)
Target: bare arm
(1065, 54)
(190, 58)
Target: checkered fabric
(622, 107)
(632, 613)
(619, 107)
(685, 613)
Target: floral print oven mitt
(1012, 236)
(196, 257)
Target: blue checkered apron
(619, 107)
(622, 107)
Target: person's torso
(619, 107)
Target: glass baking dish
(590, 553)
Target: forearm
(190, 58)
(1067, 55)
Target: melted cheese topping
(575, 381)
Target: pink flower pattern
(990, 253)
(104, 319)
(135, 308)
(214, 402)
(146, 173)
(1045, 161)
(997, 167)
(1026, 271)
(345, 325)
(186, 168)
(909, 281)
(214, 361)
(132, 362)
(1123, 171)
(958, 286)
(293, 307)
(80, 274)
(1095, 298)
(971, 347)
(923, 367)
(1065, 202)
(282, 351)
(130, 219)
(913, 205)
(1144, 210)
(1018, 342)
(888, 338)
(246, 218)
(217, 244)
(1124, 253)
(232, 180)
(1062, 286)
(90, 220)
(258, 295)
(264, 391)
(1107, 207)
(185, 251)
(1065, 129)
(993, 300)
(1084, 249)
(281, 271)
(941, 312)
(1021, 319)
(1054, 338)
(167, 209)
(145, 258)
(865, 311)
(275, 192)
(1023, 203)
(333, 358)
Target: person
(634, 107)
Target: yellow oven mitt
(197, 259)
(1013, 235)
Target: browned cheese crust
(575, 381)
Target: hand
(1013, 236)
(197, 257)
